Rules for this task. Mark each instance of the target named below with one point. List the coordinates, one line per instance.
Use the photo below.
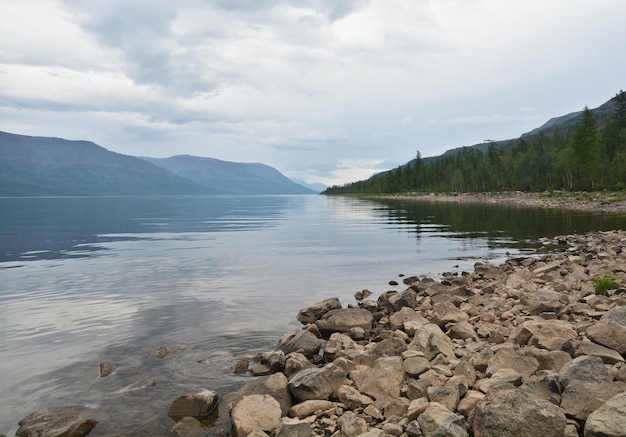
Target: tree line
(589, 157)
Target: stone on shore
(345, 320)
(300, 341)
(438, 421)
(316, 383)
(314, 312)
(198, 404)
(513, 412)
(255, 412)
(609, 420)
(69, 421)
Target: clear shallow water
(87, 280)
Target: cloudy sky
(326, 91)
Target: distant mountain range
(43, 166)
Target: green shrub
(604, 283)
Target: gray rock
(70, 421)
(438, 421)
(506, 413)
(293, 428)
(274, 385)
(316, 383)
(352, 398)
(415, 366)
(609, 420)
(352, 425)
(198, 404)
(254, 412)
(501, 377)
(294, 362)
(301, 341)
(446, 396)
(550, 360)
(581, 398)
(616, 315)
(312, 313)
(343, 320)
(189, 427)
(585, 368)
(106, 369)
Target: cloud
(306, 86)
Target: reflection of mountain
(69, 227)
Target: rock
(294, 362)
(405, 314)
(415, 366)
(550, 360)
(161, 352)
(438, 421)
(616, 315)
(404, 299)
(314, 312)
(446, 312)
(509, 359)
(240, 366)
(106, 369)
(608, 356)
(316, 383)
(462, 330)
(189, 427)
(609, 420)
(544, 334)
(300, 341)
(343, 320)
(513, 412)
(581, 398)
(417, 407)
(307, 408)
(585, 368)
(352, 398)
(351, 425)
(431, 340)
(543, 301)
(274, 385)
(502, 376)
(446, 396)
(198, 404)
(609, 334)
(293, 428)
(396, 408)
(70, 421)
(384, 380)
(392, 429)
(468, 403)
(254, 412)
(389, 347)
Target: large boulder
(513, 412)
(431, 340)
(69, 421)
(274, 385)
(255, 412)
(344, 320)
(510, 359)
(316, 383)
(585, 368)
(198, 404)
(312, 313)
(609, 420)
(610, 334)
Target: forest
(590, 156)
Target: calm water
(87, 280)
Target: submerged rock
(69, 421)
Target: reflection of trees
(492, 222)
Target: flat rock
(609, 420)
(344, 320)
(608, 356)
(609, 334)
(293, 428)
(510, 359)
(307, 408)
(316, 383)
(69, 421)
(581, 398)
(513, 412)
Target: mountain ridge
(52, 166)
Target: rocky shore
(607, 202)
(532, 347)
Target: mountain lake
(84, 280)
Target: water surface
(213, 278)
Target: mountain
(43, 166)
(230, 177)
(317, 187)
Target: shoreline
(607, 202)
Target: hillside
(583, 150)
(230, 177)
(43, 166)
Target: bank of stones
(525, 348)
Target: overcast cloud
(326, 91)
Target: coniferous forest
(588, 156)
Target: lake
(85, 280)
